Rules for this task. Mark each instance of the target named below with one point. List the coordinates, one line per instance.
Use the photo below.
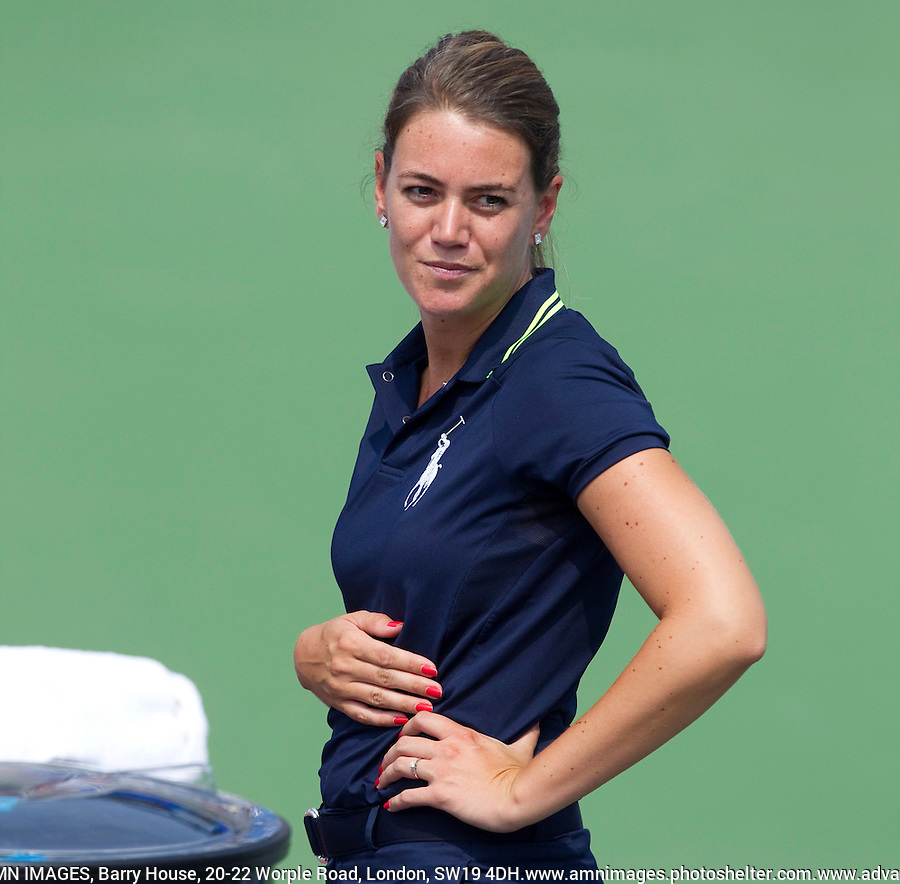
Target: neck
(449, 340)
(448, 349)
(442, 365)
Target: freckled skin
(448, 216)
(462, 211)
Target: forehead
(454, 149)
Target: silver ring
(412, 767)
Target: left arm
(681, 558)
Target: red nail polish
(376, 782)
(433, 692)
(380, 769)
(386, 805)
(396, 623)
(430, 671)
(400, 720)
(424, 707)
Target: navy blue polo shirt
(461, 522)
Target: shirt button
(388, 376)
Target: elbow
(761, 635)
(743, 639)
(751, 649)
(730, 637)
(756, 630)
(739, 621)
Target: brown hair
(479, 76)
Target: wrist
(532, 796)
(523, 807)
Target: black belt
(337, 832)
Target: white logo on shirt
(429, 474)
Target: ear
(380, 184)
(547, 205)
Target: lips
(447, 269)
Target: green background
(193, 279)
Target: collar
(396, 379)
(528, 309)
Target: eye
(491, 201)
(419, 192)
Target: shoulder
(562, 356)
(568, 407)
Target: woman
(510, 472)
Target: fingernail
(433, 692)
(396, 623)
(380, 769)
(400, 720)
(424, 707)
(386, 805)
(430, 671)
(376, 782)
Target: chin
(442, 309)
(439, 302)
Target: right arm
(345, 663)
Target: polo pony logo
(429, 474)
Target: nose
(450, 227)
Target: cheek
(395, 249)
(405, 231)
(402, 251)
(398, 234)
(514, 244)
(497, 242)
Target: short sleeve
(568, 409)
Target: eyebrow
(430, 179)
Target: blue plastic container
(84, 821)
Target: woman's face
(462, 213)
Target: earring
(383, 220)
(537, 239)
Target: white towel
(106, 710)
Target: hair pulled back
(476, 74)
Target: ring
(412, 767)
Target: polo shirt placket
(461, 522)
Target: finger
(358, 674)
(374, 623)
(420, 797)
(357, 644)
(401, 768)
(388, 678)
(432, 724)
(371, 705)
(403, 705)
(349, 677)
(407, 747)
(404, 767)
(349, 680)
(364, 714)
(381, 626)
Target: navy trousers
(460, 861)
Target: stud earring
(383, 220)
(537, 239)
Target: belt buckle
(309, 822)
